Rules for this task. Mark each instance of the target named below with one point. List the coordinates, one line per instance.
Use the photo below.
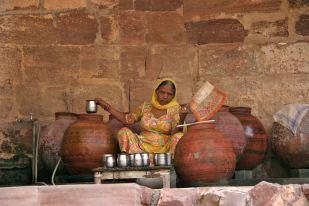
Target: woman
(158, 121)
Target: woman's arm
(121, 116)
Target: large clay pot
(292, 150)
(204, 155)
(84, 144)
(51, 139)
(257, 139)
(232, 128)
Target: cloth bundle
(291, 116)
(206, 102)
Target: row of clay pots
(211, 152)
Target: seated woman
(158, 121)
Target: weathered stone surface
(19, 196)
(65, 195)
(100, 62)
(27, 29)
(54, 65)
(140, 91)
(262, 193)
(104, 4)
(41, 101)
(132, 27)
(111, 93)
(302, 25)
(273, 194)
(6, 106)
(215, 31)
(158, 5)
(60, 4)
(10, 69)
(279, 90)
(288, 59)
(201, 9)
(165, 28)
(298, 3)
(271, 29)
(228, 60)
(108, 30)
(6, 5)
(125, 5)
(305, 188)
(204, 196)
(132, 62)
(76, 28)
(172, 61)
(178, 197)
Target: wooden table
(101, 173)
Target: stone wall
(55, 54)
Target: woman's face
(165, 94)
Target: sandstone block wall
(56, 54)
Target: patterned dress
(155, 136)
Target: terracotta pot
(84, 144)
(204, 155)
(232, 128)
(292, 150)
(257, 139)
(51, 139)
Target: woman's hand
(102, 103)
(184, 109)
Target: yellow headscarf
(154, 100)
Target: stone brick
(298, 3)
(52, 65)
(27, 29)
(6, 106)
(140, 91)
(109, 92)
(271, 29)
(201, 9)
(165, 28)
(132, 28)
(305, 188)
(42, 101)
(64, 4)
(126, 5)
(132, 62)
(172, 61)
(292, 58)
(10, 69)
(228, 60)
(100, 62)
(262, 193)
(281, 90)
(19, 196)
(215, 31)
(302, 25)
(77, 28)
(108, 28)
(7, 5)
(158, 5)
(104, 4)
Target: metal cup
(109, 161)
(131, 160)
(160, 159)
(138, 160)
(145, 159)
(122, 160)
(91, 106)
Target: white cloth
(291, 116)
